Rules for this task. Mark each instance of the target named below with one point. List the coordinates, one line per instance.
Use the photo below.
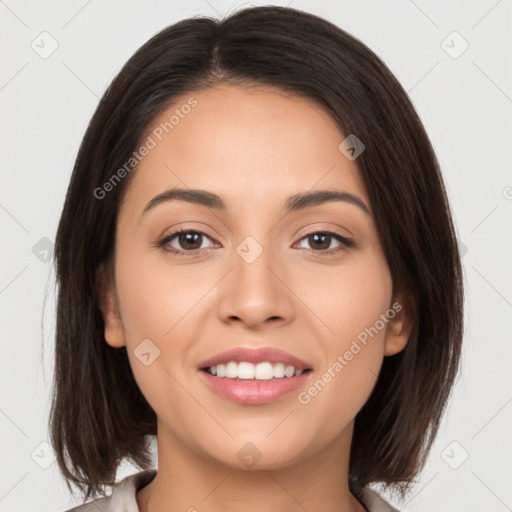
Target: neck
(187, 480)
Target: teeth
(248, 371)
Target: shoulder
(375, 503)
(98, 505)
(123, 497)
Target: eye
(321, 240)
(187, 241)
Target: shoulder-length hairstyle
(98, 414)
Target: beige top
(123, 498)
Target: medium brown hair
(98, 414)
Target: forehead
(256, 145)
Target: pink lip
(254, 392)
(255, 356)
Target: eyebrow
(293, 203)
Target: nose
(256, 292)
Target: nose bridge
(253, 292)
(253, 277)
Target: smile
(261, 371)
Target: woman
(256, 264)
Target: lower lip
(254, 392)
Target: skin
(253, 147)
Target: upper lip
(255, 356)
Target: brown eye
(321, 241)
(181, 242)
(190, 240)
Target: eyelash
(346, 243)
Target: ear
(400, 326)
(105, 284)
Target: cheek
(158, 302)
(352, 301)
(155, 294)
(155, 300)
(348, 298)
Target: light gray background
(466, 105)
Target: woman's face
(252, 274)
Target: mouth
(254, 376)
